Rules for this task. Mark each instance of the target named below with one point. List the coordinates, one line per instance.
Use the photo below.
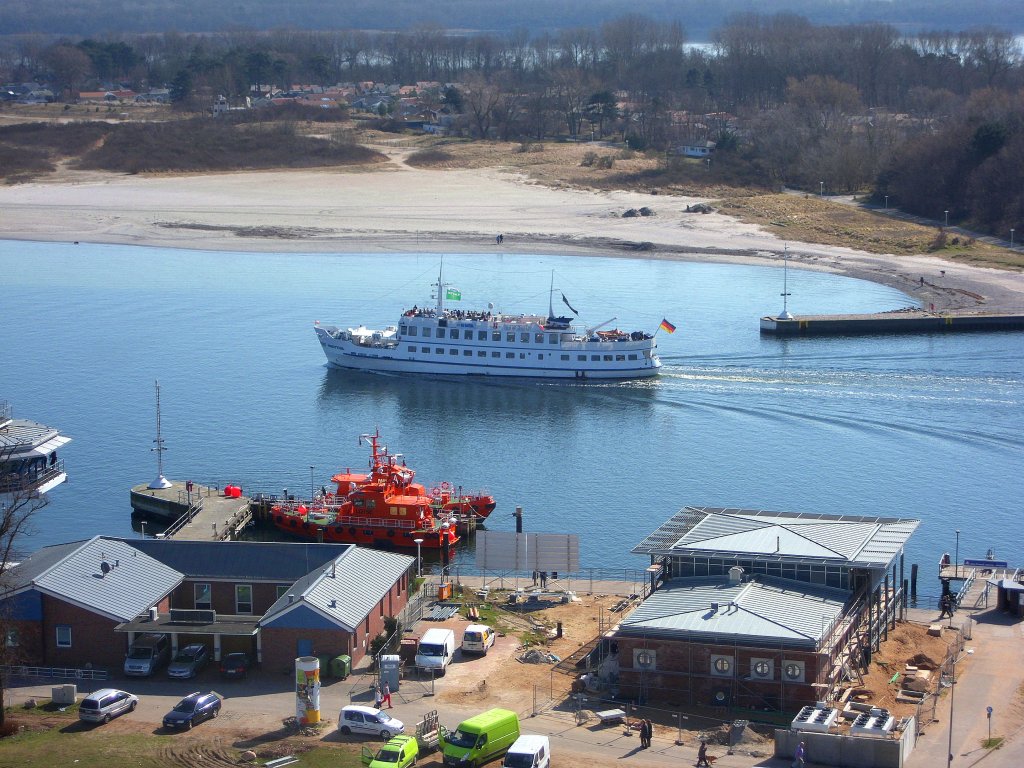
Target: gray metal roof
(22, 436)
(40, 561)
(241, 560)
(766, 611)
(723, 532)
(134, 582)
(347, 590)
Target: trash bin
(390, 665)
(325, 662)
(341, 666)
(444, 592)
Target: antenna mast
(161, 481)
(785, 285)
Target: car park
(192, 710)
(399, 752)
(235, 665)
(104, 705)
(189, 661)
(356, 718)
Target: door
(367, 756)
(304, 648)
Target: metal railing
(27, 481)
(17, 670)
(194, 509)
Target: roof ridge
(745, 518)
(815, 543)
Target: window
(620, 358)
(455, 333)
(552, 338)
(282, 590)
(439, 351)
(632, 357)
(410, 349)
(565, 358)
(761, 668)
(495, 354)
(538, 338)
(467, 353)
(540, 356)
(426, 333)
(510, 355)
(453, 351)
(481, 335)
(607, 358)
(413, 330)
(481, 353)
(425, 350)
(243, 598)
(524, 338)
(203, 597)
(63, 636)
(402, 330)
(510, 337)
(595, 358)
(581, 358)
(496, 336)
(721, 666)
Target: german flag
(666, 326)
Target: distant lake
(919, 426)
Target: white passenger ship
(441, 340)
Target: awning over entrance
(223, 625)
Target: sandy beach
(398, 208)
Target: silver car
(189, 661)
(105, 704)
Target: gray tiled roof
(361, 578)
(713, 531)
(766, 610)
(241, 560)
(133, 584)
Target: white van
(435, 650)
(477, 638)
(529, 752)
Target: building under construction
(760, 610)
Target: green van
(481, 738)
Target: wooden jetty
(203, 513)
(904, 321)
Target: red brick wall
(281, 645)
(222, 595)
(93, 640)
(683, 675)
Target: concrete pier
(202, 514)
(918, 321)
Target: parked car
(356, 718)
(148, 653)
(481, 738)
(477, 638)
(399, 752)
(192, 710)
(105, 704)
(235, 665)
(188, 661)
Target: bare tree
(18, 505)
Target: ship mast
(440, 289)
(161, 481)
(785, 315)
(551, 299)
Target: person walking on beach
(798, 758)
(702, 755)
(385, 695)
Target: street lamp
(419, 560)
(311, 468)
(956, 556)
(142, 524)
(947, 218)
(887, 202)
(1011, 238)
(821, 189)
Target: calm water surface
(921, 426)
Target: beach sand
(397, 208)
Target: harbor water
(930, 427)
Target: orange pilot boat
(386, 509)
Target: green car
(400, 752)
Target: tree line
(932, 121)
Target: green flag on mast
(453, 294)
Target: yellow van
(481, 738)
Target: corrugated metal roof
(133, 583)
(20, 435)
(764, 611)
(722, 532)
(241, 560)
(23, 574)
(361, 578)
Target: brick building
(81, 604)
(762, 610)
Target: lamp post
(887, 202)
(419, 560)
(956, 556)
(1011, 238)
(311, 468)
(947, 218)
(821, 189)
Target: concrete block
(935, 630)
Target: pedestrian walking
(385, 695)
(376, 695)
(650, 731)
(798, 758)
(702, 755)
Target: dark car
(234, 665)
(192, 710)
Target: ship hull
(367, 535)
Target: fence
(54, 672)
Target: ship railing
(5, 411)
(31, 478)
